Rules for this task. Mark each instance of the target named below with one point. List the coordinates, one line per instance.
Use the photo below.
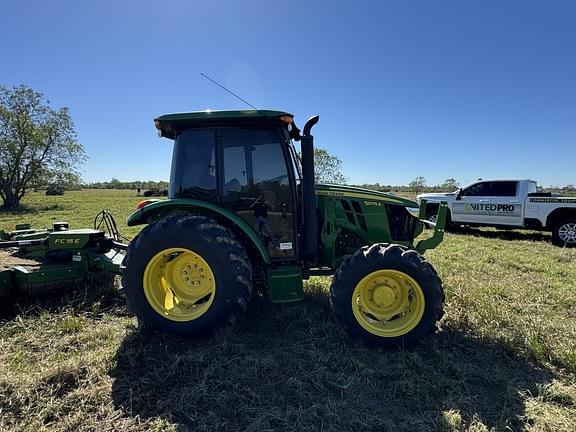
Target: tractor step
(285, 284)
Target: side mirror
(459, 195)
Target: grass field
(504, 359)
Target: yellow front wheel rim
(388, 303)
(179, 284)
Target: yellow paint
(179, 284)
(388, 303)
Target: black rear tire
(564, 233)
(217, 246)
(402, 261)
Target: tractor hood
(356, 192)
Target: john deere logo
(489, 208)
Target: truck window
(532, 188)
(499, 188)
(478, 189)
(504, 188)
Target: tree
(417, 184)
(327, 167)
(37, 143)
(450, 184)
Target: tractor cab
(243, 162)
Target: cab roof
(170, 124)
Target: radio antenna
(232, 93)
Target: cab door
(489, 203)
(471, 204)
(506, 206)
(257, 185)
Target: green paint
(354, 217)
(285, 284)
(72, 239)
(50, 273)
(438, 236)
(157, 210)
(170, 124)
(110, 261)
(361, 193)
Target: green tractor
(244, 213)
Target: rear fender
(158, 209)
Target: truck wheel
(387, 296)
(432, 216)
(564, 233)
(187, 275)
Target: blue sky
(439, 89)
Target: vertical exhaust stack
(309, 193)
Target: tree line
(39, 148)
(134, 185)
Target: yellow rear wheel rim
(388, 303)
(179, 284)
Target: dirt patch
(9, 258)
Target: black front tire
(369, 260)
(217, 245)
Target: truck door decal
(491, 209)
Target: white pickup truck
(509, 204)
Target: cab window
(235, 174)
(193, 173)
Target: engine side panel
(348, 222)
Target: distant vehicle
(510, 204)
(155, 193)
(54, 189)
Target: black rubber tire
(384, 256)
(556, 233)
(219, 248)
(431, 211)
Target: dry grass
(503, 360)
